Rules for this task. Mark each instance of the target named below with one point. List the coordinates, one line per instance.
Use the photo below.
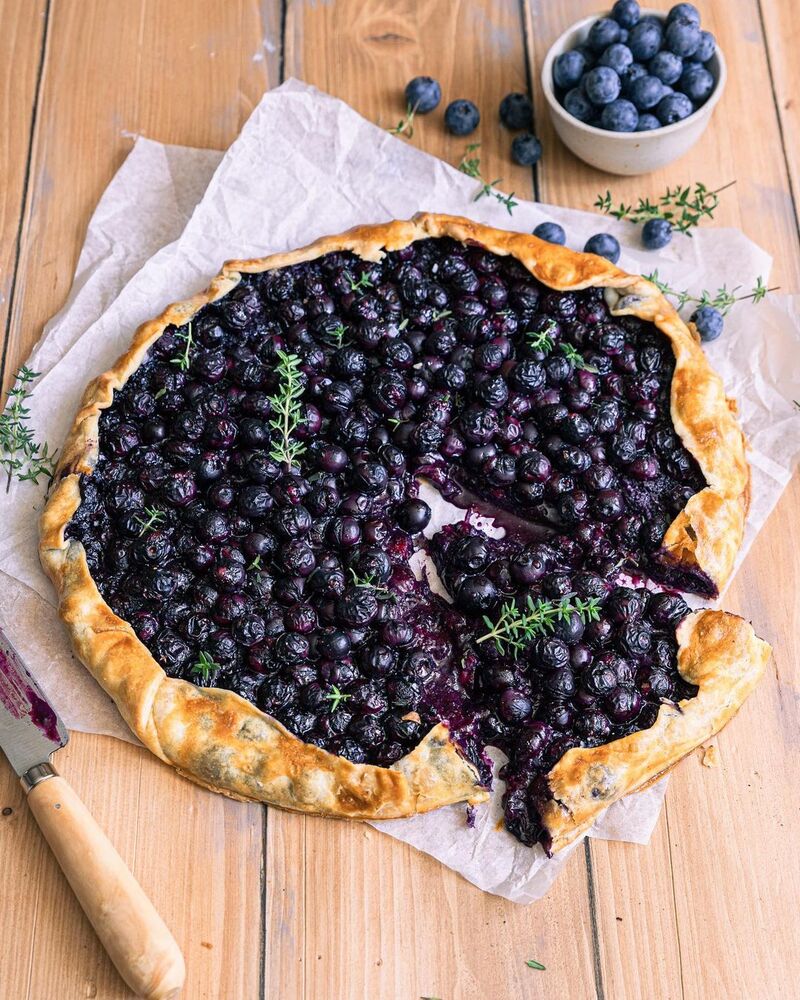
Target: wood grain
(337, 911)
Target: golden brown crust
(718, 652)
(220, 740)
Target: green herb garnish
(533, 964)
(256, 563)
(406, 124)
(471, 166)
(517, 627)
(441, 315)
(368, 582)
(541, 340)
(182, 360)
(287, 409)
(577, 359)
(153, 517)
(682, 207)
(161, 392)
(336, 697)
(361, 285)
(20, 454)
(205, 666)
(724, 299)
(337, 334)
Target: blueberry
(423, 94)
(461, 117)
(645, 40)
(603, 32)
(604, 245)
(602, 85)
(414, 515)
(578, 105)
(673, 108)
(656, 233)
(568, 68)
(706, 47)
(476, 594)
(666, 66)
(646, 92)
(647, 123)
(632, 73)
(618, 57)
(682, 37)
(626, 13)
(526, 150)
(619, 116)
(685, 10)
(551, 232)
(709, 322)
(516, 110)
(697, 83)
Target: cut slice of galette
(236, 506)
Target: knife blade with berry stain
(134, 935)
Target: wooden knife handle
(134, 935)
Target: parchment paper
(305, 165)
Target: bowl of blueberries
(634, 90)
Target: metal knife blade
(30, 729)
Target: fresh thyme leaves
(205, 666)
(683, 207)
(152, 518)
(182, 360)
(161, 392)
(336, 697)
(518, 626)
(394, 422)
(287, 410)
(471, 166)
(724, 299)
(256, 563)
(337, 334)
(576, 358)
(404, 324)
(533, 964)
(369, 582)
(20, 454)
(542, 341)
(361, 285)
(406, 124)
(440, 314)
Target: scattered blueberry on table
(709, 323)
(657, 66)
(656, 233)
(516, 111)
(526, 149)
(551, 232)
(423, 94)
(462, 117)
(604, 245)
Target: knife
(131, 931)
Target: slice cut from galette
(235, 510)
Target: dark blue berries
(526, 149)
(620, 116)
(516, 111)
(656, 233)
(604, 245)
(461, 117)
(602, 85)
(673, 108)
(423, 94)
(626, 13)
(568, 68)
(709, 323)
(551, 232)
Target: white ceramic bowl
(626, 152)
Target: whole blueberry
(526, 149)
(666, 66)
(626, 13)
(685, 10)
(645, 40)
(682, 37)
(516, 110)
(602, 85)
(618, 57)
(423, 94)
(646, 92)
(551, 232)
(656, 233)
(578, 105)
(631, 74)
(461, 117)
(568, 69)
(673, 108)
(709, 322)
(619, 116)
(647, 123)
(604, 245)
(706, 47)
(603, 32)
(697, 83)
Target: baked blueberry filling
(276, 564)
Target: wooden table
(267, 904)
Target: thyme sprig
(576, 358)
(21, 455)
(205, 666)
(471, 166)
(542, 341)
(406, 124)
(361, 285)
(441, 314)
(153, 517)
(368, 582)
(287, 409)
(336, 697)
(518, 626)
(337, 334)
(682, 206)
(182, 360)
(723, 299)
(256, 563)
(533, 964)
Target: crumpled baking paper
(306, 165)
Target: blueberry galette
(236, 509)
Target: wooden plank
(696, 895)
(189, 76)
(21, 58)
